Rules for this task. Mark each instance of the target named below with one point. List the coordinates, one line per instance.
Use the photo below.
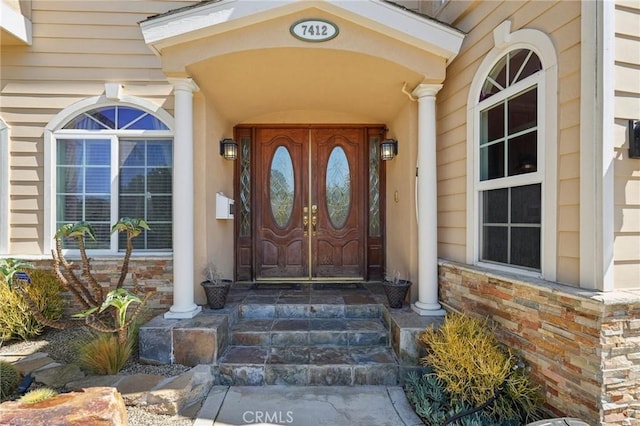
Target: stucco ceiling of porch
(245, 85)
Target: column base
(183, 314)
(428, 309)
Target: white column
(183, 220)
(427, 303)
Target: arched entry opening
(252, 72)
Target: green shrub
(9, 379)
(473, 369)
(17, 320)
(431, 401)
(101, 353)
(37, 395)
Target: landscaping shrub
(102, 353)
(17, 320)
(468, 368)
(9, 379)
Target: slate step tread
(306, 355)
(304, 332)
(308, 366)
(304, 309)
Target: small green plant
(431, 401)
(37, 395)
(17, 319)
(120, 299)
(475, 371)
(9, 379)
(9, 267)
(102, 353)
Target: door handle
(314, 218)
(305, 221)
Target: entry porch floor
(294, 334)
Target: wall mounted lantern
(229, 149)
(388, 149)
(634, 138)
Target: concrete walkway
(307, 405)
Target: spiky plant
(478, 371)
(102, 353)
(17, 319)
(37, 395)
(9, 379)
(104, 309)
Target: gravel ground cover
(59, 345)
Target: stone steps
(308, 344)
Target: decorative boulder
(99, 406)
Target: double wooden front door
(309, 203)
(310, 196)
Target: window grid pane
(511, 226)
(116, 118)
(145, 186)
(508, 136)
(511, 68)
(83, 187)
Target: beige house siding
(561, 21)
(627, 171)
(73, 54)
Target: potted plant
(215, 287)
(396, 290)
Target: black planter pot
(216, 293)
(396, 292)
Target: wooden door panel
(279, 236)
(338, 244)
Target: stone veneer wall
(149, 273)
(583, 346)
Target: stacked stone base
(583, 346)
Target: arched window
(510, 209)
(114, 161)
(513, 146)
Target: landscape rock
(57, 377)
(134, 388)
(33, 362)
(93, 381)
(172, 396)
(99, 406)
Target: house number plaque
(315, 30)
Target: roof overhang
(15, 28)
(216, 17)
(249, 66)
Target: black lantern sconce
(229, 149)
(388, 149)
(634, 138)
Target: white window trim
(4, 188)
(547, 80)
(53, 132)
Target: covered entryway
(236, 64)
(318, 205)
